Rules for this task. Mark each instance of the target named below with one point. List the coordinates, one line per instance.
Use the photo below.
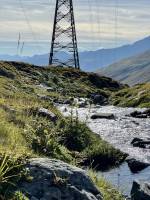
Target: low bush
(102, 155)
(77, 137)
(11, 171)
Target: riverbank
(119, 131)
(31, 126)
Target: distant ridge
(131, 71)
(91, 60)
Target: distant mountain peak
(131, 70)
(91, 60)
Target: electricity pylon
(64, 39)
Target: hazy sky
(99, 23)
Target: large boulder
(56, 180)
(136, 165)
(140, 191)
(98, 99)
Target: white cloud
(95, 21)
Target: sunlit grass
(137, 96)
(24, 133)
(11, 138)
(107, 190)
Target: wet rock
(53, 179)
(82, 104)
(103, 116)
(141, 143)
(140, 191)
(136, 165)
(98, 99)
(138, 114)
(68, 101)
(65, 109)
(134, 122)
(47, 113)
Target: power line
(91, 19)
(116, 27)
(22, 47)
(99, 27)
(18, 44)
(30, 26)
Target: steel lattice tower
(64, 36)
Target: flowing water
(119, 132)
(122, 178)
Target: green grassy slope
(137, 96)
(65, 81)
(22, 131)
(25, 134)
(130, 71)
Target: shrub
(11, 170)
(76, 136)
(102, 155)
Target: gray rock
(33, 198)
(53, 179)
(98, 99)
(82, 104)
(138, 114)
(141, 143)
(51, 89)
(68, 101)
(44, 97)
(136, 165)
(52, 193)
(140, 191)
(103, 116)
(47, 113)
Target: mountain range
(90, 60)
(131, 70)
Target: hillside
(130, 71)
(137, 96)
(59, 82)
(31, 125)
(90, 60)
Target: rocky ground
(31, 125)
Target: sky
(99, 24)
